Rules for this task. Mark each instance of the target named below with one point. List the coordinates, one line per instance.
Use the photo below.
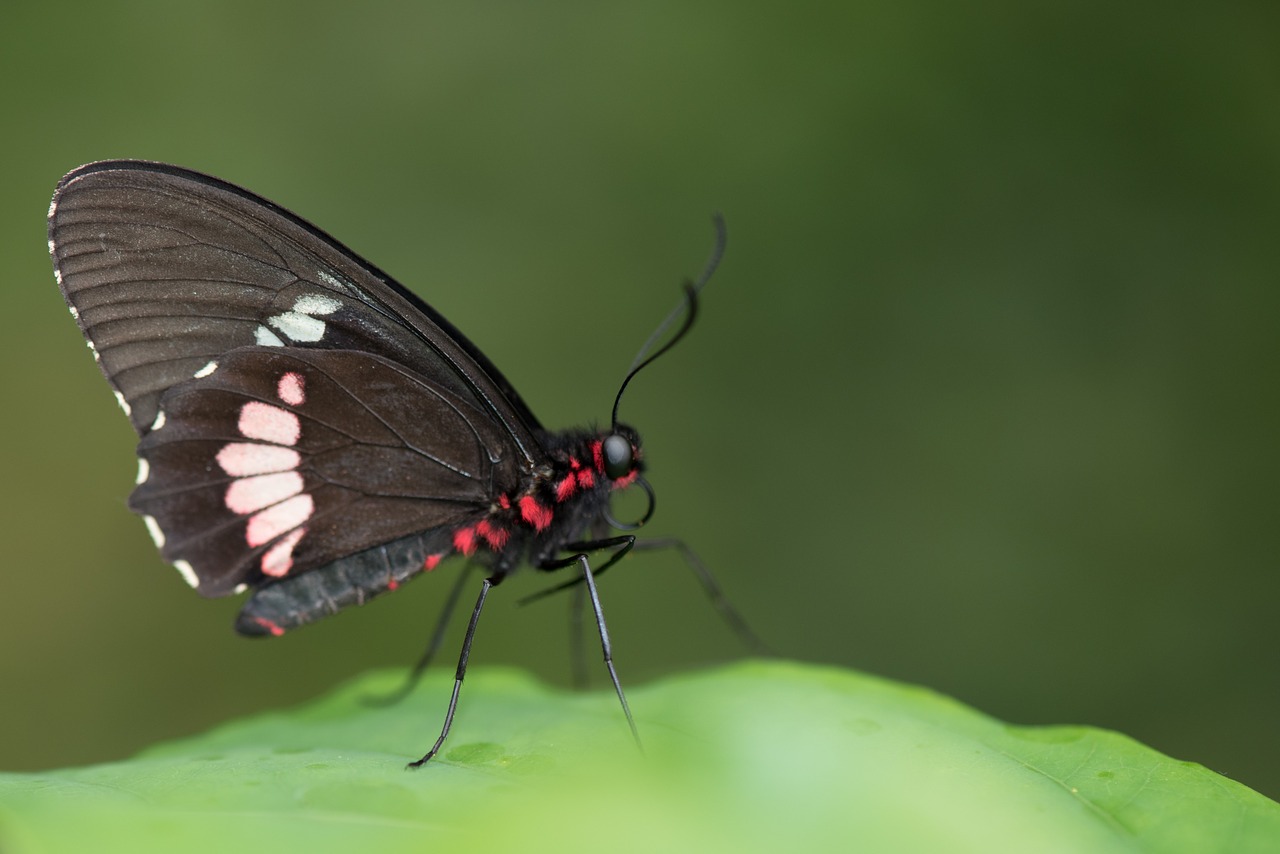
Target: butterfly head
(620, 454)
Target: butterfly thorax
(565, 501)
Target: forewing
(166, 270)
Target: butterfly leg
(577, 658)
(605, 644)
(719, 601)
(433, 646)
(461, 672)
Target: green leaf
(760, 756)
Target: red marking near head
(534, 513)
(269, 626)
(597, 454)
(292, 388)
(586, 478)
(566, 487)
(392, 584)
(432, 562)
(464, 540)
(504, 502)
(626, 480)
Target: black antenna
(688, 305)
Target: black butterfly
(310, 431)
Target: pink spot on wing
(432, 562)
(278, 560)
(464, 540)
(392, 584)
(292, 389)
(269, 423)
(241, 459)
(534, 513)
(266, 525)
(248, 494)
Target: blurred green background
(983, 397)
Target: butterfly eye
(617, 456)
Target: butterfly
(310, 431)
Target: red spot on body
(626, 480)
(269, 626)
(534, 513)
(566, 487)
(493, 535)
(432, 562)
(464, 540)
(586, 478)
(504, 502)
(597, 454)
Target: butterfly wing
(165, 269)
(298, 410)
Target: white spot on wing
(188, 574)
(266, 338)
(57, 275)
(316, 304)
(50, 245)
(74, 312)
(124, 404)
(144, 471)
(53, 206)
(153, 527)
(206, 370)
(159, 422)
(298, 326)
(240, 588)
(331, 280)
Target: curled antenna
(687, 306)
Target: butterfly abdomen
(561, 504)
